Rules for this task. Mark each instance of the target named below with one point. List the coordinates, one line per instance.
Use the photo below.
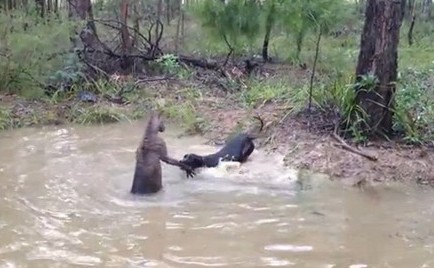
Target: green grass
(184, 111)
(6, 121)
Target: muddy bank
(318, 151)
(222, 116)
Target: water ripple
(65, 201)
(45, 253)
(287, 247)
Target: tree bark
(379, 56)
(125, 35)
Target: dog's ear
(186, 156)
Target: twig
(107, 23)
(231, 50)
(152, 79)
(347, 147)
(314, 68)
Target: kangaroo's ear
(160, 114)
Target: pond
(65, 202)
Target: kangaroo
(152, 149)
(237, 149)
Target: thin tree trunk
(182, 23)
(168, 9)
(136, 26)
(49, 6)
(409, 9)
(25, 5)
(40, 5)
(56, 7)
(268, 26)
(410, 30)
(159, 13)
(379, 56)
(82, 9)
(125, 35)
(178, 27)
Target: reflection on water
(65, 202)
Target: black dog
(237, 149)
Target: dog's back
(233, 147)
(238, 149)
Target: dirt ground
(318, 151)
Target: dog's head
(193, 160)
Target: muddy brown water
(65, 202)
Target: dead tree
(379, 56)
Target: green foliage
(71, 73)
(300, 16)
(5, 119)
(171, 66)
(414, 110)
(235, 21)
(31, 51)
(185, 111)
(97, 115)
(246, 20)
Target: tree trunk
(159, 9)
(268, 26)
(159, 13)
(125, 35)
(168, 9)
(379, 56)
(56, 7)
(136, 26)
(410, 30)
(82, 9)
(361, 6)
(408, 11)
(49, 6)
(40, 5)
(178, 28)
(426, 9)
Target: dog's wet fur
(152, 149)
(237, 149)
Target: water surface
(65, 202)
